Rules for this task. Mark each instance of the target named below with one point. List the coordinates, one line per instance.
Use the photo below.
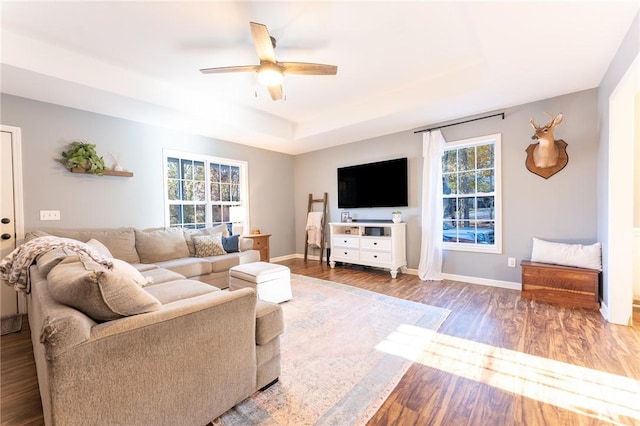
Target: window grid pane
(468, 186)
(196, 199)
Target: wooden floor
(496, 360)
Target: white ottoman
(272, 282)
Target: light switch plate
(49, 214)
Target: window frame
(495, 248)
(207, 159)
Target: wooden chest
(564, 285)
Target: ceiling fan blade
(263, 43)
(275, 92)
(242, 68)
(308, 69)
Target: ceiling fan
(271, 72)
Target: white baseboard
(471, 280)
(484, 281)
(604, 310)
(286, 257)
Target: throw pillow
(99, 247)
(208, 245)
(99, 293)
(578, 255)
(49, 259)
(190, 233)
(230, 244)
(122, 267)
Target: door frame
(18, 204)
(619, 268)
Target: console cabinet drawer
(345, 253)
(376, 244)
(341, 241)
(373, 256)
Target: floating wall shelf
(104, 172)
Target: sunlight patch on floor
(593, 393)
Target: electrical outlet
(511, 262)
(49, 214)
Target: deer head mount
(548, 156)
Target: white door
(8, 296)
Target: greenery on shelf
(83, 155)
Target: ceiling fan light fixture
(270, 74)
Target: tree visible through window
(200, 190)
(471, 194)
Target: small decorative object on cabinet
(396, 216)
(261, 243)
(377, 244)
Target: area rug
(343, 351)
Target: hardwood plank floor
(496, 360)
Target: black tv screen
(380, 184)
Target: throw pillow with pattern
(208, 245)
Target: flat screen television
(380, 184)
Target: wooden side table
(261, 243)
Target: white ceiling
(401, 64)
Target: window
(200, 190)
(471, 195)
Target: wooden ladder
(313, 201)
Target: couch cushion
(99, 293)
(189, 233)
(121, 242)
(161, 275)
(179, 290)
(143, 267)
(125, 269)
(187, 266)
(223, 262)
(208, 245)
(49, 259)
(269, 321)
(157, 245)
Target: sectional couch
(169, 248)
(118, 344)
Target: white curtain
(430, 267)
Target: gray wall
(93, 201)
(624, 57)
(562, 208)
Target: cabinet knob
(375, 256)
(375, 244)
(6, 236)
(5, 220)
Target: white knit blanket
(14, 268)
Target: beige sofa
(120, 351)
(168, 248)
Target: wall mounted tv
(380, 184)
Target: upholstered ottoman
(272, 282)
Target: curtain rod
(461, 122)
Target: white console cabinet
(377, 244)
